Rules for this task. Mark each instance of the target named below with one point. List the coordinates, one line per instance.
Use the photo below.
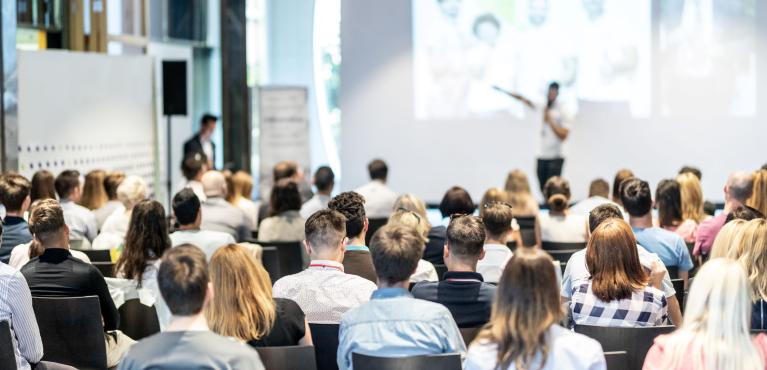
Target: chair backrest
(7, 352)
(447, 361)
(512, 244)
(469, 334)
(288, 357)
(673, 272)
(527, 229)
(555, 246)
(441, 270)
(325, 339)
(80, 244)
(373, 225)
(679, 287)
(561, 255)
(616, 360)
(635, 341)
(106, 268)
(270, 259)
(96, 255)
(137, 320)
(72, 331)
(289, 256)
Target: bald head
(739, 186)
(214, 184)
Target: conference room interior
(399, 184)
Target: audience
(14, 195)
(492, 195)
(94, 195)
(708, 208)
(188, 343)
(324, 180)
(668, 200)
(758, 198)
(379, 198)
(425, 270)
(692, 197)
(714, 333)
(324, 291)
(620, 176)
(111, 182)
(43, 186)
(599, 191)
(524, 333)
(243, 308)
(132, 190)
(217, 213)
(357, 260)
(241, 194)
(283, 170)
(393, 323)
(194, 167)
(725, 243)
(559, 224)
(497, 221)
(737, 191)
(463, 290)
(186, 208)
(80, 220)
(749, 247)
(284, 222)
(520, 196)
(456, 201)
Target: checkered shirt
(646, 307)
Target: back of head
(516, 182)
(186, 205)
(352, 206)
(740, 186)
(131, 191)
(751, 244)
(465, 237)
(66, 183)
(324, 179)
(378, 170)
(613, 261)
(411, 202)
(214, 184)
(146, 240)
(603, 213)
(758, 198)
(285, 197)
(94, 194)
(497, 219)
(727, 239)
(46, 222)
(42, 186)
(620, 176)
(668, 199)
(396, 251)
(284, 170)
(242, 185)
(557, 193)
(403, 217)
(695, 171)
(14, 190)
(193, 166)
(692, 197)
(456, 201)
(636, 197)
(183, 280)
(599, 188)
(111, 182)
(325, 230)
(492, 195)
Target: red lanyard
(322, 265)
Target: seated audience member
(499, 196)
(463, 290)
(22, 253)
(194, 167)
(577, 270)
(758, 198)
(243, 308)
(284, 222)
(357, 260)
(186, 207)
(111, 182)
(284, 170)
(324, 291)
(393, 323)
(708, 207)
(217, 213)
(525, 333)
(456, 201)
(599, 191)
(14, 195)
(131, 191)
(188, 343)
(80, 220)
(737, 191)
(425, 270)
(240, 196)
(620, 176)
(749, 247)
(668, 200)
(691, 194)
(617, 293)
(379, 198)
(725, 243)
(94, 196)
(324, 180)
(43, 186)
(670, 247)
(520, 196)
(55, 273)
(714, 334)
(497, 222)
(559, 224)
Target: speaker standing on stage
(554, 132)
(201, 142)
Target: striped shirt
(16, 309)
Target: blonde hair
(411, 220)
(132, 191)
(492, 195)
(692, 197)
(758, 198)
(716, 324)
(520, 196)
(724, 245)
(94, 195)
(412, 203)
(243, 306)
(241, 186)
(751, 243)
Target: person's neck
(190, 227)
(559, 213)
(328, 256)
(19, 213)
(57, 244)
(325, 193)
(500, 241)
(461, 266)
(401, 284)
(357, 240)
(731, 204)
(642, 222)
(194, 322)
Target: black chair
(325, 339)
(527, 230)
(673, 272)
(289, 254)
(373, 225)
(616, 360)
(7, 352)
(72, 331)
(96, 255)
(679, 288)
(270, 259)
(106, 268)
(758, 331)
(441, 270)
(512, 244)
(137, 320)
(555, 246)
(469, 334)
(288, 357)
(447, 361)
(561, 255)
(635, 341)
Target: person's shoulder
(217, 236)
(425, 289)
(427, 310)
(565, 340)
(288, 306)
(364, 284)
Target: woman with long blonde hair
(750, 249)
(520, 197)
(692, 197)
(715, 332)
(403, 217)
(94, 195)
(724, 245)
(240, 193)
(525, 333)
(758, 198)
(243, 307)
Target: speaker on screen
(173, 88)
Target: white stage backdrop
(653, 85)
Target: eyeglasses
(490, 204)
(417, 216)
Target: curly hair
(352, 206)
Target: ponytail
(557, 202)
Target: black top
(759, 315)
(289, 326)
(194, 146)
(57, 274)
(436, 245)
(465, 294)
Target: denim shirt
(394, 324)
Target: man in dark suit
(201, 142)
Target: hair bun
(557, 202)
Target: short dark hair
(285, 197)
(466, 237)
(352, 206)
(325, 229)
(456, 201)
(602, 213)
(208, 118)
(183, 279)
(485, 18)
(693, 170)
(324, 178)
(497, 218)
(554, 85)
(556, 191)
(193, 165)
(668, 200)
(378, 170)
(284, 170)
(66, 182)
(46, 220)
(744, 212)
(111, 182)
(186, 206)
(14, 189)
(636, 197)
(620, 176)
(599, 187)
(396, 251)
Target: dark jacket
(194, 146)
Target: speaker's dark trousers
(548, 168)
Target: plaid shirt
(646, 307)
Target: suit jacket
(194, 146)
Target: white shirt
(585, 206)
(567, 350)
(317, 203)
(207, 147)
(491, 267)
(81, 221)
(251, 211)
(20, 256)
(563, 229)
(117, 222)
(379, 199)
(551, 145)
(106, 210)
(425, 271)
(16, 309)
(207, 240)
(323, 291)
(197, 188)
(148, 293)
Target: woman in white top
(239, 195)
(130, 192)
(425, 270)
(523, 333)
(559, 225)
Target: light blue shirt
(81, 221)
(394, 324)
(16, 308)
(669, 246)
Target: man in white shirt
(81, 221)
(193, 168)
(554, 132)
(324, 180)
(497, 218)
(599, 191)
(379, 198)
(217, 213)
(186, 207)
(324, 291)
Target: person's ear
(482, 253)
(308, 247)
(66, 231)
(26, 203)
(445, 252)
(366, 225)
(210, 292)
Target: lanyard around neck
(326, 266)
